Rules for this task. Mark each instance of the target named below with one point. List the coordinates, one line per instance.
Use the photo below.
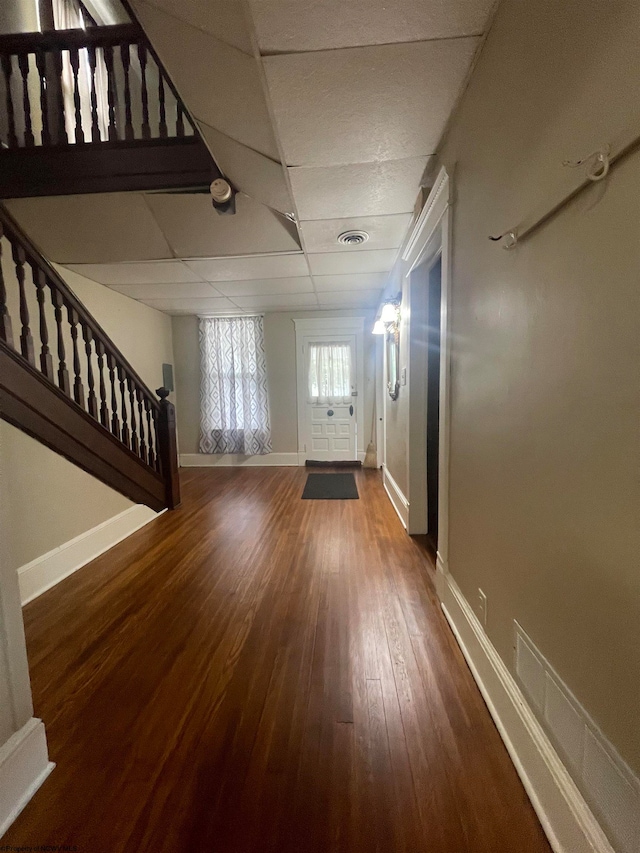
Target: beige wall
(280, 349)
(545, 450)
(19, 16)
(51, 500)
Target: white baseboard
(566, 818)
(237, 460)
(442, 572)
(46, 571)
(397, 498)
(24, 765)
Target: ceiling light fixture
(353, 238)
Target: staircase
(86, 111)
(64, 382)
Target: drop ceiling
(326, 114)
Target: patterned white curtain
(329, 366)
(234, 404)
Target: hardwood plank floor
(254, 672)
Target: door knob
(351, 410)
(330, 413)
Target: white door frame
(380, 402)
(330, 326)
(431, 237)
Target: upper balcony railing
(79, 87)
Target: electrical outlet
(482, 607)
(403, 376)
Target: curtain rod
(226, 316)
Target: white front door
(333, 433)
(331, 420)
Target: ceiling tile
(361, 189)
(366, 104)
(330, 263)
(385, 232)
(142, 273)
(362, 281)
(253, 173)
(349, 299)
(176, 290)
(277, 301)
(242, 269)
(302, 284)
(285, 26)
(191, 306)
(220, 85)
(91, 228)
(194, 229)
(222, 19)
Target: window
(329, 372)
(234, 404)
(71, 15)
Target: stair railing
(49, 329)
(102, 84)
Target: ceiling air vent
(353, 238)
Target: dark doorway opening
(433, 399)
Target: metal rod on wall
(597, 166)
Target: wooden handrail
(11, 228)
(56, 40)
(61, 347)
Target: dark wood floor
(254, 672)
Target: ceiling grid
(324, 113)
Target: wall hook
(598, 163)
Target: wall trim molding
(429, 238)
(442, 572)
(427, 222)
(24, 765)
(330, 324)
(566, 818)
(46, 571)
(238, 460)
(396, 496)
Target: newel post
(168, 449)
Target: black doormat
(330, 487)
(340, 463)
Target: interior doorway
(427, 291)
(434, 309)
